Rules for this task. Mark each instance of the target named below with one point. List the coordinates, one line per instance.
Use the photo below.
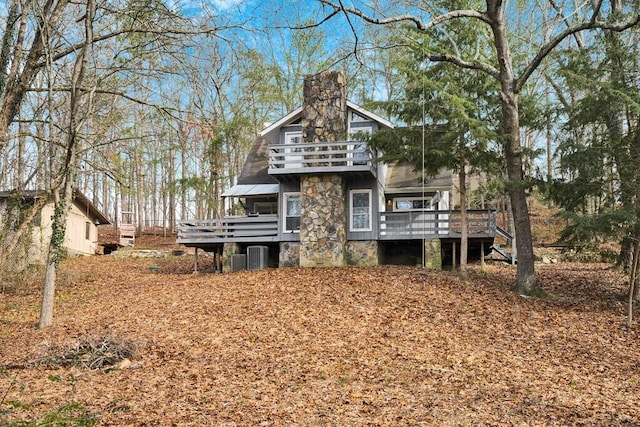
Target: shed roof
(402, 178)
(78, 197)
(256, 166)
(251, 190)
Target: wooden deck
(392, 226)
(247, 229)
(436, 224)
(331, 157)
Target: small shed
(83, 219)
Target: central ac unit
(238, 262)
(257, 257)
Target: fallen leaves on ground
(381, 346)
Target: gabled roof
(292, 116)
(370, 115)
(297, 113)
(255, 168)
(78, 197)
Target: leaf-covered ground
(309, 347)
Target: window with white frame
(292, 208)
(360, 218)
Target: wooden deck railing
(262, 228)
(393, 226)
(435, 224)
(342, 156)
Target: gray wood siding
(287, 129)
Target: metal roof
(251, 190)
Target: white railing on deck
(341, 156)
(262, 228)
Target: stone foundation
(323, 228)
(289, 254)
(433, 254)
(362, 253)
(227, 250)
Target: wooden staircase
(500, 250)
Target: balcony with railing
(247, 229)
(435, 224)
(392, 226)
(325, 157)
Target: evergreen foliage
(599, 151)
(449, 114)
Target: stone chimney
(324, 115)
(323, 228)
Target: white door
(358, 152)
(293, 155)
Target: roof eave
(281, 122)
(370, 115)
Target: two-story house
(314, 195)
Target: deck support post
(195, 262)
(454, 256)
(228, 249)
(432, 254)
(482, 256)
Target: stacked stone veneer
(433, 254)
(362, 253)
(323, 231)
(289, 254)
(229, 249)
(323, 228)
(324, 114)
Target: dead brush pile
(92, 353)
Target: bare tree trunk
(549, 135)
(464, 220)
(170, 185)
(634, 288)
(182, 141)
(633, 278)
(58, 224)
(56, 249)
(139, 194)
(525, 281)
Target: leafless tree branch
(419, 24)
(553, 43)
